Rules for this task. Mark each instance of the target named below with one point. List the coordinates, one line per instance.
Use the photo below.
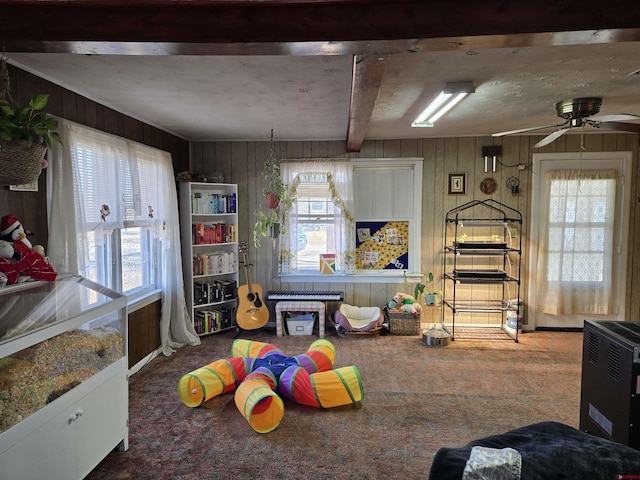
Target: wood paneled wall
(144, 332)
(241, 163)
(31, 207)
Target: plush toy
(6, 254)
(405, 303)
(19, 264)
(6, 250)
(12, 231)
(7, 260)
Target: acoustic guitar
(252, 312)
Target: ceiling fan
(577, 112)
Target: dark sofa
(549, 450)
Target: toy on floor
(259, 371)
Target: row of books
(212, 263)
(208, 321)
(205, 234)
(216, 291)
(212, 203)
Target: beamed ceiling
(330, 70)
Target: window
(388, 192)
(117, 206)
(113, 218)
(319, 221)
(577, 267)
(332, 196)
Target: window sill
(141, 300)
(377, 276)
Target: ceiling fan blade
(619, 126)
(616, 117)
(523, 130)
(550, 138)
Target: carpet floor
(417, 399)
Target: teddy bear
(405, 303)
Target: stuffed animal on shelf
(6, 254)
(19, 265)
(405, 303)
(11, 230)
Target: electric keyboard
(311, 296)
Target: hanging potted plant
(266, 226)
(25, 133)
(271, 224)
(274, 188)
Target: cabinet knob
(74, 416)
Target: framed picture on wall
(457, 183)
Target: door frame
(539, 162)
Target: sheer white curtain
(330, 178)
(92, 169)
(574, 274)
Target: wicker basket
(403, 323)
(20, 163)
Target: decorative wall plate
(488, 186)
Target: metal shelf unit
(481, 238)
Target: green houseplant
(28, 121)
(274, 188)
(431, 295)
(266, 226)
(25, 133)
(271, 224)
(420, 289)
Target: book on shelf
(214, 263)
(208, 234)
(215, 291)
(212, 320)
(212, 203)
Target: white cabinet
(209, 238)
(70, 331)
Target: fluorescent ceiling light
(450, 96)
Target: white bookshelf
(209, 235)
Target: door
(579, 231)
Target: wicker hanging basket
(20, 163)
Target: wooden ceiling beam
(368, 72)
(201, 21)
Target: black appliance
(610, 394)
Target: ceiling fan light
(452, 94)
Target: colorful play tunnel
(257, 370)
